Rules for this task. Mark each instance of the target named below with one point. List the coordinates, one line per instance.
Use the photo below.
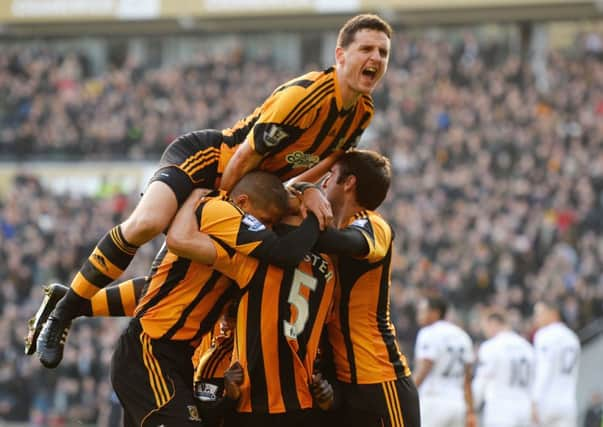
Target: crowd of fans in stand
(497, 196)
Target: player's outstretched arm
(183, 237)
(316, 172)
(244, 160)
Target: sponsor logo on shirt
(299, 159)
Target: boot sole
(52, 295)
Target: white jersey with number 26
(450, 349)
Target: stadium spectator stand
(497, 196)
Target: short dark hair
(551, 304)
(373, 176)
(437, 303)
(497, 316)
(264, 190)
(347, 33)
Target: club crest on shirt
(274, 135)
(252, 223)
(193, 413)
(299, 159)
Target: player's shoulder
(427, 332)
(219, 206)
(307, 82)
(372, 218)
(488, 347)
(455, 332)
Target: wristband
(303, 186)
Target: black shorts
(153, 380)
(389, 404)
(190, 161)
(301, 418)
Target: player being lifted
(300, 130)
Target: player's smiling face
(363, 62)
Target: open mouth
(370, 72)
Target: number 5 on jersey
(300, 302)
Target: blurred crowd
(497, 197)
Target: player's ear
(349, 183)
(241, 200)
(340, 55)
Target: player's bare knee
(141, 227)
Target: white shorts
(442, 412)
(507, 414)
(558, 420)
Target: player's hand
(322, 392)
(233, 378)
(199, 193)
(295, 201)
(471, 419)
(316, 202)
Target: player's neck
(344, 213)
(348, 97)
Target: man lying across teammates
(302, 127)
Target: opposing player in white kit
(444, 356)
(504, 375)
(557, 351)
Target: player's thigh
(560, 420)
(353, 417)
(152, 215)
(507, 414)
(389, 404)
(152, 380)
(404, 406)
(301, 418)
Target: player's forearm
(347, 242)
(289, 250)
(467, 389)
(197, 247)
(423, 368)
(315, 173)
(243, 161)
(184, 238)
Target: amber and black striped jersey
(184, 299)
(209, 371)
(280, 318)
(301, 123)
(361, 334)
